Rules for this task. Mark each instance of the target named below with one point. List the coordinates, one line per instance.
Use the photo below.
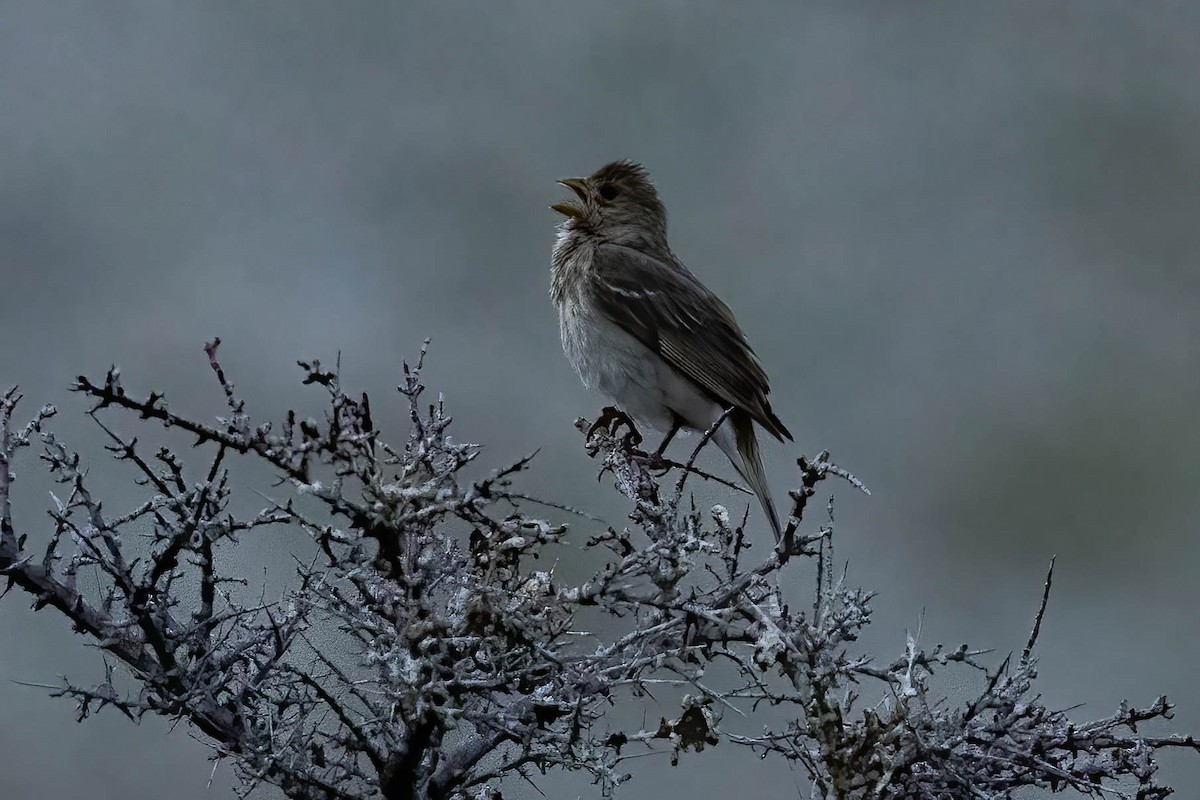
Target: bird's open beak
(576, 185)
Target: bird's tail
(742, 449)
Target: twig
(1037, 621)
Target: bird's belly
(613, 362)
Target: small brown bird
(638, 326)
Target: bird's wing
(666, 308)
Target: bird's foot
(611, 419)
(656, 462)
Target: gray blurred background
(961, 236)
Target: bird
(639, 327)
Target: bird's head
(617, 202)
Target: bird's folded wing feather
(666, 308)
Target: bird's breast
(613, 362)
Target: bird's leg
(676, 424)
(657, 460)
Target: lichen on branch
(423, 649)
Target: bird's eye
(609, 192)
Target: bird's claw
(611, 419)
(654, 462)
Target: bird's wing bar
(666, 308)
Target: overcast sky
(962, 237)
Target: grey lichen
(423, 652)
